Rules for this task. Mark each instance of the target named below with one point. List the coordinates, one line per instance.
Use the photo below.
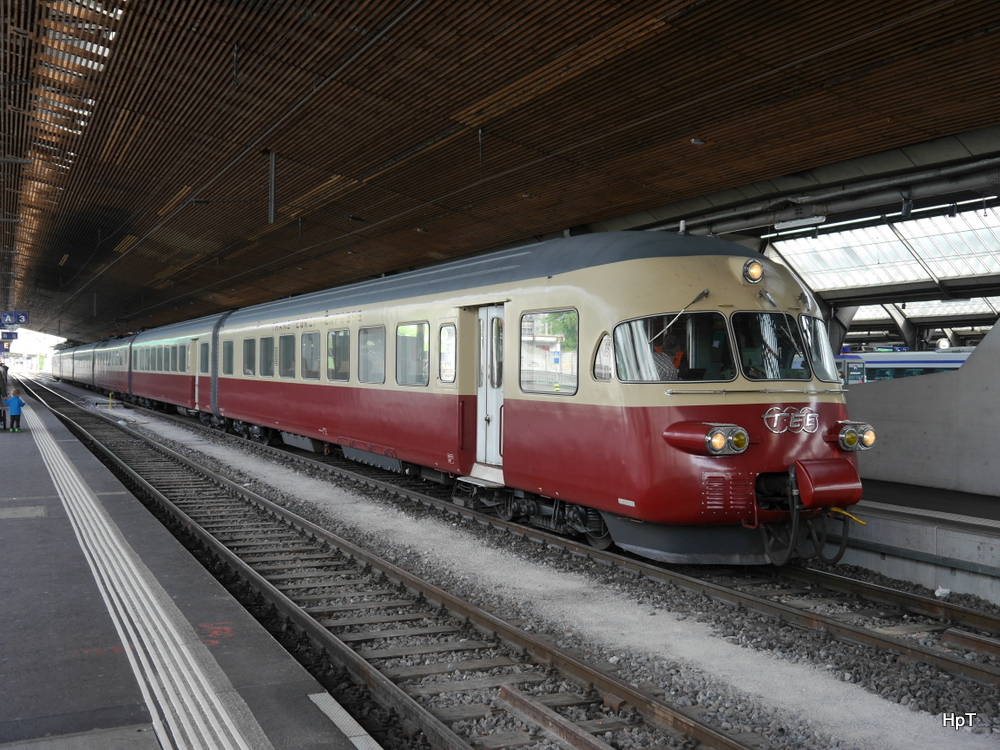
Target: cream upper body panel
(603, 296)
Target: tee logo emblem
(790, 419)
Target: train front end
(745, 451)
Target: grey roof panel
(507, 266)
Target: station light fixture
(805, 221)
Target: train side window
(182, 352)
(412, 351)
(371, 354)
(673, 346)
(496, 352)
(267, 357)
(286, 356)
(173, 359)
(250, 357)
(159, 359)
(227, 357)
(549, 349)
(310, 356)
(604, 359)
(447, 353)
(204, 359)
(817, 341)
(338, 355)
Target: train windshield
(818, 347)
(669, 347)
(770, 346)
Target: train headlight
(726, 440)
(753, 271)
(868, 437)
(856, 437)
(849, 439)
(739, 440)
(707, 438)
(716, 441)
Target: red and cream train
(675, 395)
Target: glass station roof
(933, 308)
(944, 247)
(928, 249)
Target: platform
(941, 539)
(115, 637)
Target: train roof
(197, 326)
(506, 266)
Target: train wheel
(600, 542)
(505, 510)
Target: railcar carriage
(674, 395)
(172, 365)
(111, 365)
(78, 364)
(61, 363)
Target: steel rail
(654, 711)
(914, 603)
(383, 690)
(983, 673)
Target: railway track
(414, 645)
(952, 638)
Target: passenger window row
(113, 358)
(261, 357)
(170, 358)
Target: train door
(197, 354)
(489, 401)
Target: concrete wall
(940, 430)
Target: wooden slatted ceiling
(148, 124)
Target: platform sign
(10, 318)
(8, 335)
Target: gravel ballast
(740, 671)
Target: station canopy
(926, 268)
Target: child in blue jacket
(15, 403)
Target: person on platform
(14, 403)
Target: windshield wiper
(701, 295)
